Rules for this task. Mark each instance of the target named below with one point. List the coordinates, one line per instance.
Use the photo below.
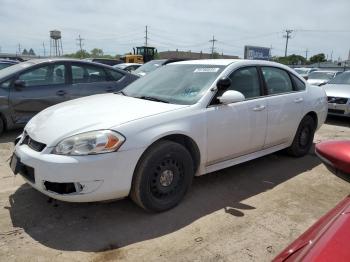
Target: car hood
(337, 90)
(91, 113)
(317, 81)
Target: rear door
(285, 104)
(44, 86)
(89, 79)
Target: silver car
(305, 71)
(319, 78)
(338, 93)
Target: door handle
(298, 100)
(259, 108)
(60, 92)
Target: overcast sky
(117, 25)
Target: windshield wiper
(121, 92)
(151, 98)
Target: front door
(239, 128)
(44, 86)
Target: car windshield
(14, 68)
(149, 67)
(175, 83)
(341, 79)
(321, 75)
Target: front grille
(336, 111)
(337, 100)
(35, 145)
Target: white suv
(184, 119)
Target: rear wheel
(162, 176)
(303, 138)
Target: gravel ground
(249, 212)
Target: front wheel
(303, 138)
(162, 176)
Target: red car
(329, 238)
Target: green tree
(31, 52)
(25, 52)
(96, 52)
(291, 60)
(318, 58)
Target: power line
(287, 36)
(213, 46)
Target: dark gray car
(29, 87)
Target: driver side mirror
(231, 96)
(223, 83)
(19, 84)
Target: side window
(114, 75)
(246, 81)
(88, 74)
(46, 75)
(277, 80)
(59, 74)
(299, 85)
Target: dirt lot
(243, 213)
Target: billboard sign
(256, 52)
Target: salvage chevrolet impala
(184, 119)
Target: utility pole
(287, 36)
(213, 46)
(44, 49)
(306, 52)
(332, 56)
(80, 44)
(19, 49)
(146, 36)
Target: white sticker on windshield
(206, 70)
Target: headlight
(90, 143)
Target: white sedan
(184, 119)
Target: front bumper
(339, 109)
(95, 177)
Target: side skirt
(245, 158)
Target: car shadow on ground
(338, 121)
(10, 136)
(107, 226)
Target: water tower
(56, 48)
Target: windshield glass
(321, 75)
(149, 67)
(176, 83)
(14, 68)
(342, 79)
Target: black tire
(303, 138)
(162, 176)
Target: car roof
(223, 62)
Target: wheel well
(314, 117)
(189, 144)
